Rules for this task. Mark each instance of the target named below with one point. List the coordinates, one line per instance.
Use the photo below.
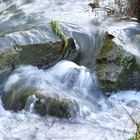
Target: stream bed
(99, 116)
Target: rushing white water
(101, 118)
(65, 80)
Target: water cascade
(65, 100)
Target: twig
(137, 135)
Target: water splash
(65, 80)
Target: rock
(37, 54)
(44, 104)
(116, 67)
(56, 107)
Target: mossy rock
(116, 67)
(111, 52)
(56, 107)
(44, 104)
(37, 54)
(16, 100)
(114, 77)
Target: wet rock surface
(116, 67)
(56, 107)
(41, 55)
(43, 104)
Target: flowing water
(99, 117)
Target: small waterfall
(65, 80)
(90, 46)
(29, 106)
(2, 110)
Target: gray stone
(41, 55)
(115, 67)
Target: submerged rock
(44, 104)
(56, 107)
(64, 90)
(116, 67)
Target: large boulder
(37, 54)
(116, 68)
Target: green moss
(108, 45)
(133, 138)
(58, 31)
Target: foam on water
(72, 81)
(65, 80)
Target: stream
(99, 116)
